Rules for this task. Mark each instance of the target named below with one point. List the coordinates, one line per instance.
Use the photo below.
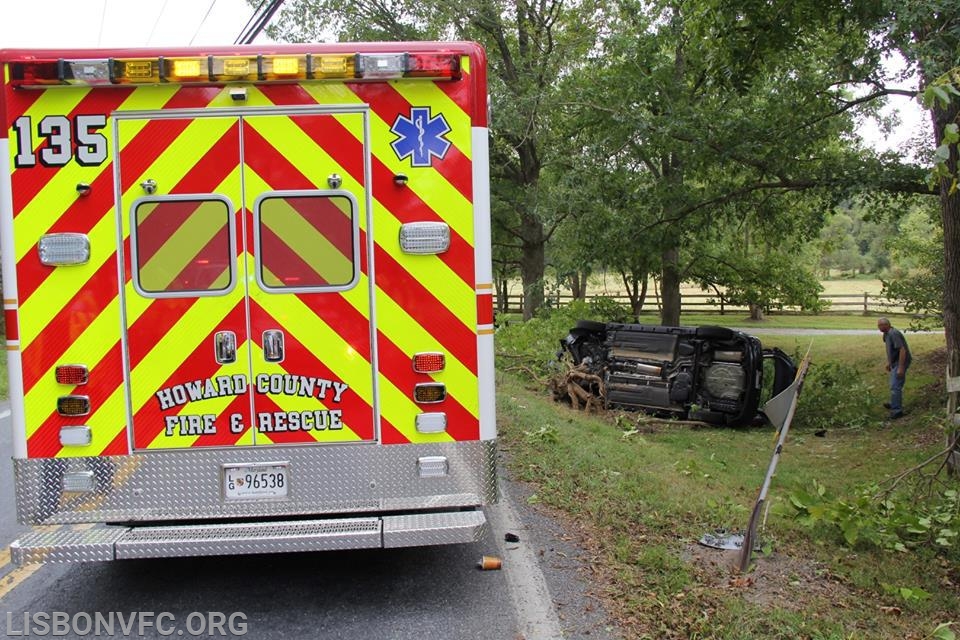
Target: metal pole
(747, 550)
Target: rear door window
(183, 245)
(306, 240)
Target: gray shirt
(894, 341)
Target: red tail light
(429, 362)
(72, 374)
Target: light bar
(235, 68)
(332, 66)
(381, 65)
(137, 71)
(282, 66)
(72, 374)
(424, 237)
(433, 65)
(223, 69)
(73, 405)
(36, 74)
(186, 69)
(428, 362)
(64, 249)
(86, 71)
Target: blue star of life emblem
(420, 137)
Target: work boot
(886, 405)
(896, 414)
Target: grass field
(639, 493)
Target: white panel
(14, 364)
(483, 269)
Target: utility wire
(103, 18)
(260, 22)
(253, 17)
(205, 16)
(157, 21)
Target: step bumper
(77, 543)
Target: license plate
(255, 481)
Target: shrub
(835, 395)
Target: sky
(136, 23)
(121, 23)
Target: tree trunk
(670, 287)
(503, 293)
(953, 432)
(756, 312)
(636, 287)
(532, 263)
(578, 284)
(950, 216)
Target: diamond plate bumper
(103, 543)
(325, 481)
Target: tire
(715, 333)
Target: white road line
(5, 413)
(536, 615)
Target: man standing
(898, 360)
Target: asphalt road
(420, 593)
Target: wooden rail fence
(865, 303)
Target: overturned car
(708, 374)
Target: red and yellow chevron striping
(245, 284)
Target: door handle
(225, 345)
(273, 345)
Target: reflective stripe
(422, 302)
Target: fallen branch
(894, 481)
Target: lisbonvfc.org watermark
(115, 624)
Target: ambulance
(248, 298)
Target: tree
(927, 34)
(714, 124)
(917, 248)
(530, 44)
(763, 261)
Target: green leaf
(799, 501)
(851, 533)
(943, 632)
(941, 94)
(951, 133)
(916, 593)
(942, 154)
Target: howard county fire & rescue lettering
(264, 384)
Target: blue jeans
(896, 390)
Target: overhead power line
(157, 21)
(258, 22)
(202, 22)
